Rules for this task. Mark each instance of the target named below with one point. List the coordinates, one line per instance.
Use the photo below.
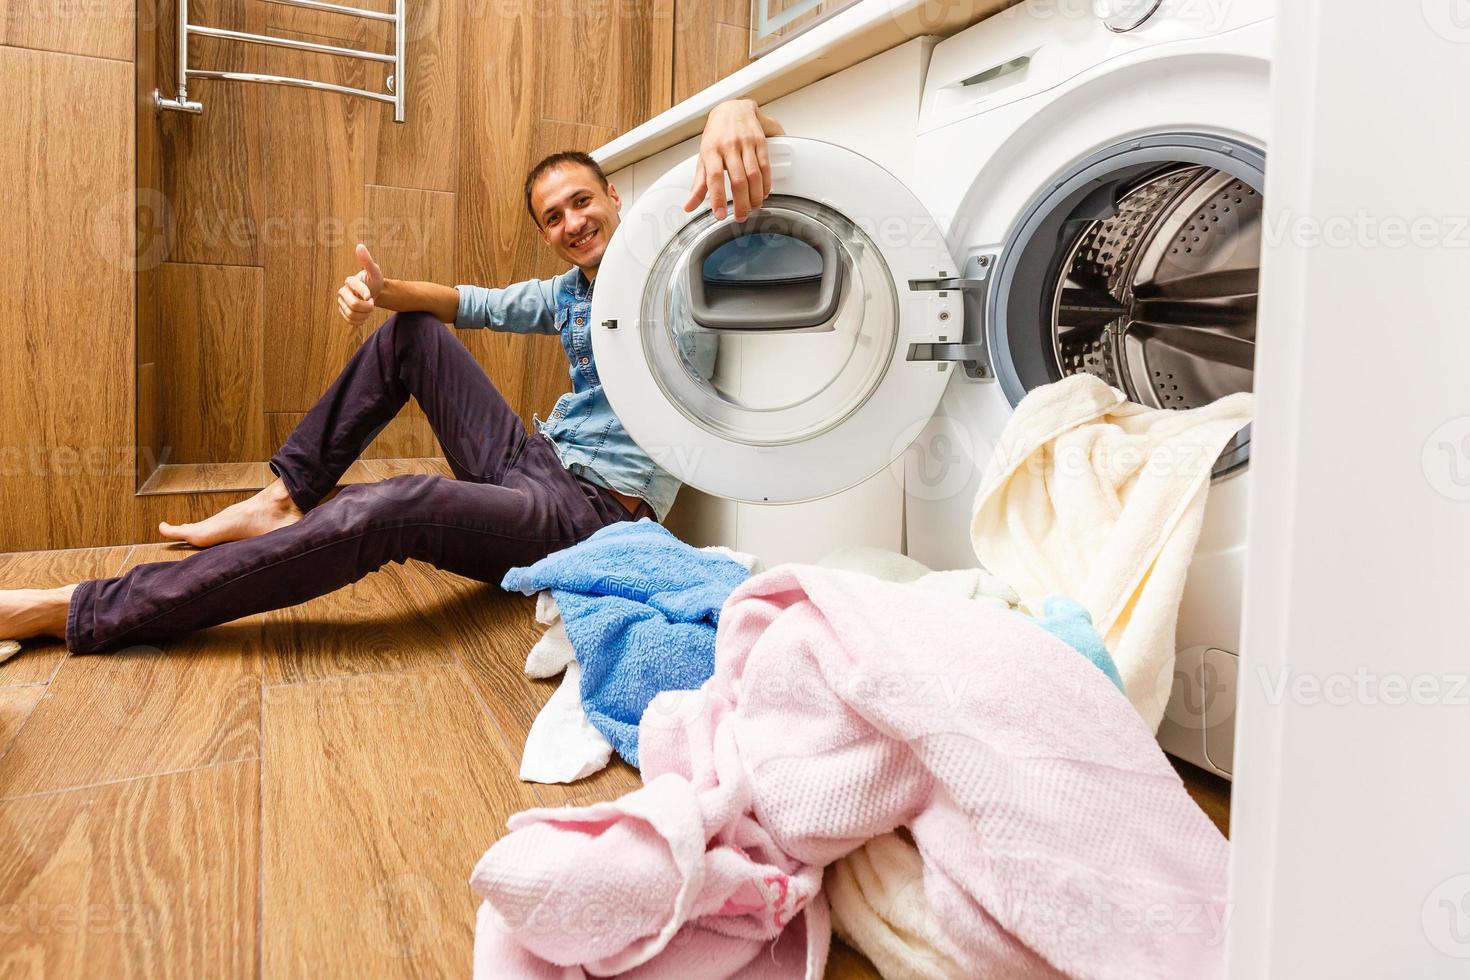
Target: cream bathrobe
(1095, 497)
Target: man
(515, 498)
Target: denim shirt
(589, 439)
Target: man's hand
(358, 296)
(734, 143)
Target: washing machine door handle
(777, 271)
(973, 352)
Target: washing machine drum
(1140, 266)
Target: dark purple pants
(512, 502)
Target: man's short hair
(550, 163)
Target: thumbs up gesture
(358, 296)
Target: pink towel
(1056, 838)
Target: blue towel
(1068, 621)
(641, 608)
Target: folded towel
(641, 608)
(1049, 822)
(8, 649)
(1092, 496)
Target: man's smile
(583, 241)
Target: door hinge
(971, 352)
(954, 282)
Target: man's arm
(368, 290)
(408, 296)
(524, 307)
(734, 143)
(521, 307)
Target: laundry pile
(566, 741)
(919, 760)
(1064, 618)
(639, 607)
(1095, 497)
(841, 709)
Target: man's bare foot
(33, 612)
(266, 511)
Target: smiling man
(515, 497)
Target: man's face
(577, 216)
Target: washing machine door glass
(773, 332)
(766, 360)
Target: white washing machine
(952, 224)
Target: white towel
(890, 566)
(562, 746)
(1092, 496)
(550, 654)
(8, 649)
(879, 906)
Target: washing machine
(1052, 191)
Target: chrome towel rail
(394, 83)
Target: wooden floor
(302, 793)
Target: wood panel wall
(712, 39)
(66, 193)
(172, 278)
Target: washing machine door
(770, 360)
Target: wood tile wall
(172, 277)
(712, 40)
(66, 196)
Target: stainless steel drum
(1159, 299)
(1138, 264)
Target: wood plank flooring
(299, 793)
(190, 478)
